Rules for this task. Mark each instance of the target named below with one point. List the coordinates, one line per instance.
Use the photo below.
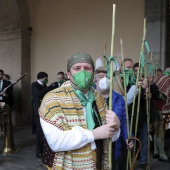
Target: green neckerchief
(166, 73)
(108, 64)
(89, 108)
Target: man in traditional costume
(75, 120)
(162, 106)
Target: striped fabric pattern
(62, 108)
(163, 83)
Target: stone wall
(15, 55)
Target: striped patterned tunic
(163, 83)
(62, 108)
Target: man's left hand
(129, 144)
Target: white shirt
(40, 82)
(1, 88)
(131, 94)
(73, 139)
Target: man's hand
(140, 83)
(145, 83)
(112, 119)
(129, 144)
(103, 132)
(5, 95)
(106, 131)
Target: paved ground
(26, 160)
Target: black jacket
(9, 98)
(142, 112)
(38, 91)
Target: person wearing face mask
(38, 90)
(75, 119)
(61, 78)
(118, 106)
(142, 129)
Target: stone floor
(25, 159)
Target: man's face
(79, 67)
(60, 77)
(159, 73)
(4, 77)
(99, 76)
(128, 65)
(136, 70)
(1, 76)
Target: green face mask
(45, 81)
(82, 79)
(60, 81)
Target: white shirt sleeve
(131, 93)
(116, 135)
(60, 140)
(73, 139)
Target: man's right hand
(103, 132)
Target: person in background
(60, 78)
(7, 95)
(6, 77)
(38, 90)
(118, 106)
(159, 72)
(142, 124)
(162, 107)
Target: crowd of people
(72, 122)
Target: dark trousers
(119, 163)
(39, 136)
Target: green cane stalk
(111, 80)
(142, 49)
(139, 74)
(125, 95)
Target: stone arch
(15, 37)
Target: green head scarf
(79, 58)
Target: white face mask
(104, 83)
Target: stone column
(15, 61)
(155, 13)
(15, 37)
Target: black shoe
(39, 156)
(143, 166)
(163, 159)
(155, 156)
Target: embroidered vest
(62, 108)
